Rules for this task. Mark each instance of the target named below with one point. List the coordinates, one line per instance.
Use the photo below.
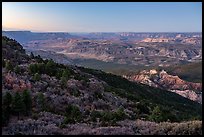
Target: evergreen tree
(120, 114)
(17, 69)
(31, 55)
(39, 59)
(59, 73)
(3, 63)
(73, 114)
(33, 68)
(4, 119)
(6, 107)
(7, 99)
(41, 101)
(66, 74)
(18, 104)
(156, 115)
(49, 67)
(63, 82)
(9, 65)
(27, 101)
(41, 68)
(36, 77)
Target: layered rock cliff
(172, 83)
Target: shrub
(142, 107)
(68, 120)
(73, 114)
(35, 116)
(120, 114)
(36, 77)
(75, 92)
(108, 117)
(95, 114)
(62, 125)
(98, 95)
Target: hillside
(190, 72)
(43, 97)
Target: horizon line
(104, 31)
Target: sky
(102, 16)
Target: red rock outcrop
(163, 80)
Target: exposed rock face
(190, 94)
(144, 79)
(174, 82)
(193, 40)
(178, 38)
(156, 40)
(162, 79)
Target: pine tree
(31, 55)
(41, 101)
(39, 59)
(36, 77)
(59, 73)
(49, 67)
(9, 65)
(6, 107)
(66, 74)
(7, 99)
(17, 69)
(156, 114)
(120, 114)
(18, 104)
(73, 114)
(27, 101)
(63, 82)
(33, 68)
(3, 63)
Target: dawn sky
(102, 16)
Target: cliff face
(156, 40)
(192, 40)
(172, 83)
